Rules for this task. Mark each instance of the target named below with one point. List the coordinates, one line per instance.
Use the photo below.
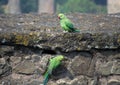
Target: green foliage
(28, 6)
(83, 6)
(2, 2)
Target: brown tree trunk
(14, 7)
(46, 6)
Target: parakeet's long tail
(77, 31)
(46, 79)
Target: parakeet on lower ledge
(66, 24)
(53, 64)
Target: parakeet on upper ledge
(66, 24)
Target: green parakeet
(53, 64)
(66, 24)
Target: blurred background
(57, 6)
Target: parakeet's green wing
(69, 25)
(54, 62)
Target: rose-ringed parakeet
(53, 64)
(66, 24)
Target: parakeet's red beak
(58, 17)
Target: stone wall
(28, 41)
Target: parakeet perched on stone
(66, 24)
(53, 64)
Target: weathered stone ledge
(63, 41)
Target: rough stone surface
(81, 80)
(28, 41)
(5, 68)
(114, 83)
(116, 67)
(79, 65)
(25, 67)
(105, 68)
